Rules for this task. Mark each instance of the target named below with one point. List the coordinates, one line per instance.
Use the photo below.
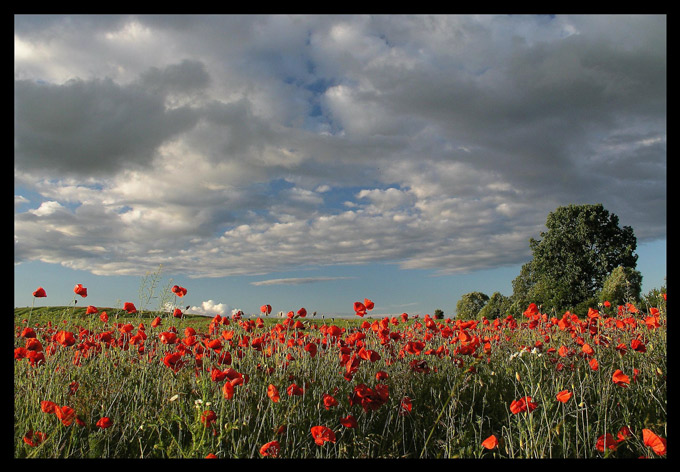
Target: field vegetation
(125, 384)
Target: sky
(317, 160)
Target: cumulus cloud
(209, 308)
(228, 145)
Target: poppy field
(121, 383)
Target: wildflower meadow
(91, 382)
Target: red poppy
(329, 401)
(156, 322)
(594, 364)
(370, 398)
(381, 375)
(211, 456)
(523, 404)
(587, 350)
(623, 434)
(302, 312)
(34, 438)
(606, 440)
(652, 322)
(80, 290)
(177, 313)
(405, 406)
(531, 310)
(104, 422)
(48, 407)
(294, 390)
(179, 291)
(368, 304)
(91, 309)
(491, 442)
(129, 307)
(266, 309)
(39, 293)
(311, 348)
(35, 357)
(216, 375)
(126, 328)
(104, 317)
(208, 417)
(414, 347)
(637, 345)
(564, 396)
(20, 353)
(620, 379)
(168, 337)
(349, 422)
(73, 387)
(174, 361)
(235, 377)
(273, 393)
(28, 333)
(322, 434)
(658, 444)
(65, 338)
(271, 448)
(359, 309)
(32, 344)
(66, 414)
(228, 390)
(369, 354)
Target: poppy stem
(436, 422)
(28, 323)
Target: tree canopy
(470, 304)
(583, 244)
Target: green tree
(571, 261)
(622, 285)
(655, 298)
(438, 314)
(497, 306)
(470, 304)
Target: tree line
(583, 260)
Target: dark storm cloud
(187, 77)
(91, 127)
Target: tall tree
(497, 306)
(582, 246)
(622, 285)
(470, 304)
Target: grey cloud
(184, 78)
(93, 127)
(53, 26)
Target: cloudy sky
(317, 160)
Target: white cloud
(20, 200)
(297, 280)
(209, 308)
(47, 208)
